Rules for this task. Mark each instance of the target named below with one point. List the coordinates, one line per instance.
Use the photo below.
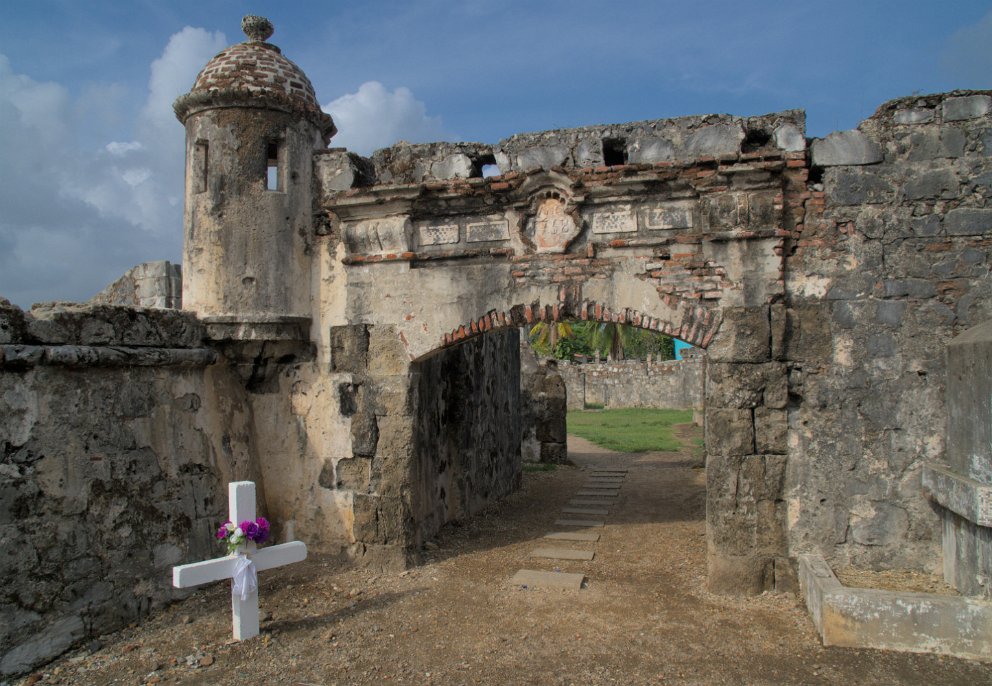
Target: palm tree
(613, 337)
(544, 336)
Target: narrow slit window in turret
(273, 178)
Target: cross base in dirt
(244, 611)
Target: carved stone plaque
(437, 234)
(667, 216)
(478, 232)
(617, 220)
(742, 210)
(379, 236)
(554, 229)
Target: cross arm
(279, 555)
(198, 573)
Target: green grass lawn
(632, 430)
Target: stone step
(601, 487)
(573, 536)
(606, 479)
(532, 578)
(563, 554)
(584, 502)
(592, 511)
(578, 522)
(611, 470)
(604, 495)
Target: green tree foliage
(564, 341)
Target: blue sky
(91, 180)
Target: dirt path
(643, 619)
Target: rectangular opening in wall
(614, 152)
(199, 167)
(273, 178)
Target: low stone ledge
(960, 494)
(908, 622)
(21, 356)
(266, 328)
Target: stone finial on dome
(258, 29)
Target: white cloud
(376, 118)
(74, 220)
(967, 58)
(119, 149)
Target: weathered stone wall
(891, 262)
(669, 384)
(152, 284)
(118, 434)
(543, 430)
(684, 236)
(467, 436)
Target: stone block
(844, 148)
(740, 575)
(353, 474)
(715, 140)
(788, 137)
(744, 386)
(456, 166)
(913, 115)
(729, 431)
(364, 434)
(857, 187)
(530, 578)
(908, 288)
(947, 141)
(966, 107)
(936, 183)
(541, 157)
(771, 428)
(744, 336)
(968, 221)
(928, 225)
(808, 336)
(349, 348)
(588, 153)
(650, 149)
(387, 354)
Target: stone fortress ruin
(348, 339)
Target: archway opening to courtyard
(491, 410)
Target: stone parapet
(73, 324)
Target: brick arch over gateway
(698, 326)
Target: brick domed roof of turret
(254, 73)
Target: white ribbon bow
(245, 578)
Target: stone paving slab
(573, 536)
(563, 554)
(536, 579)
(578, 522)
(594, 511)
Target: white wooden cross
(241, 495)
